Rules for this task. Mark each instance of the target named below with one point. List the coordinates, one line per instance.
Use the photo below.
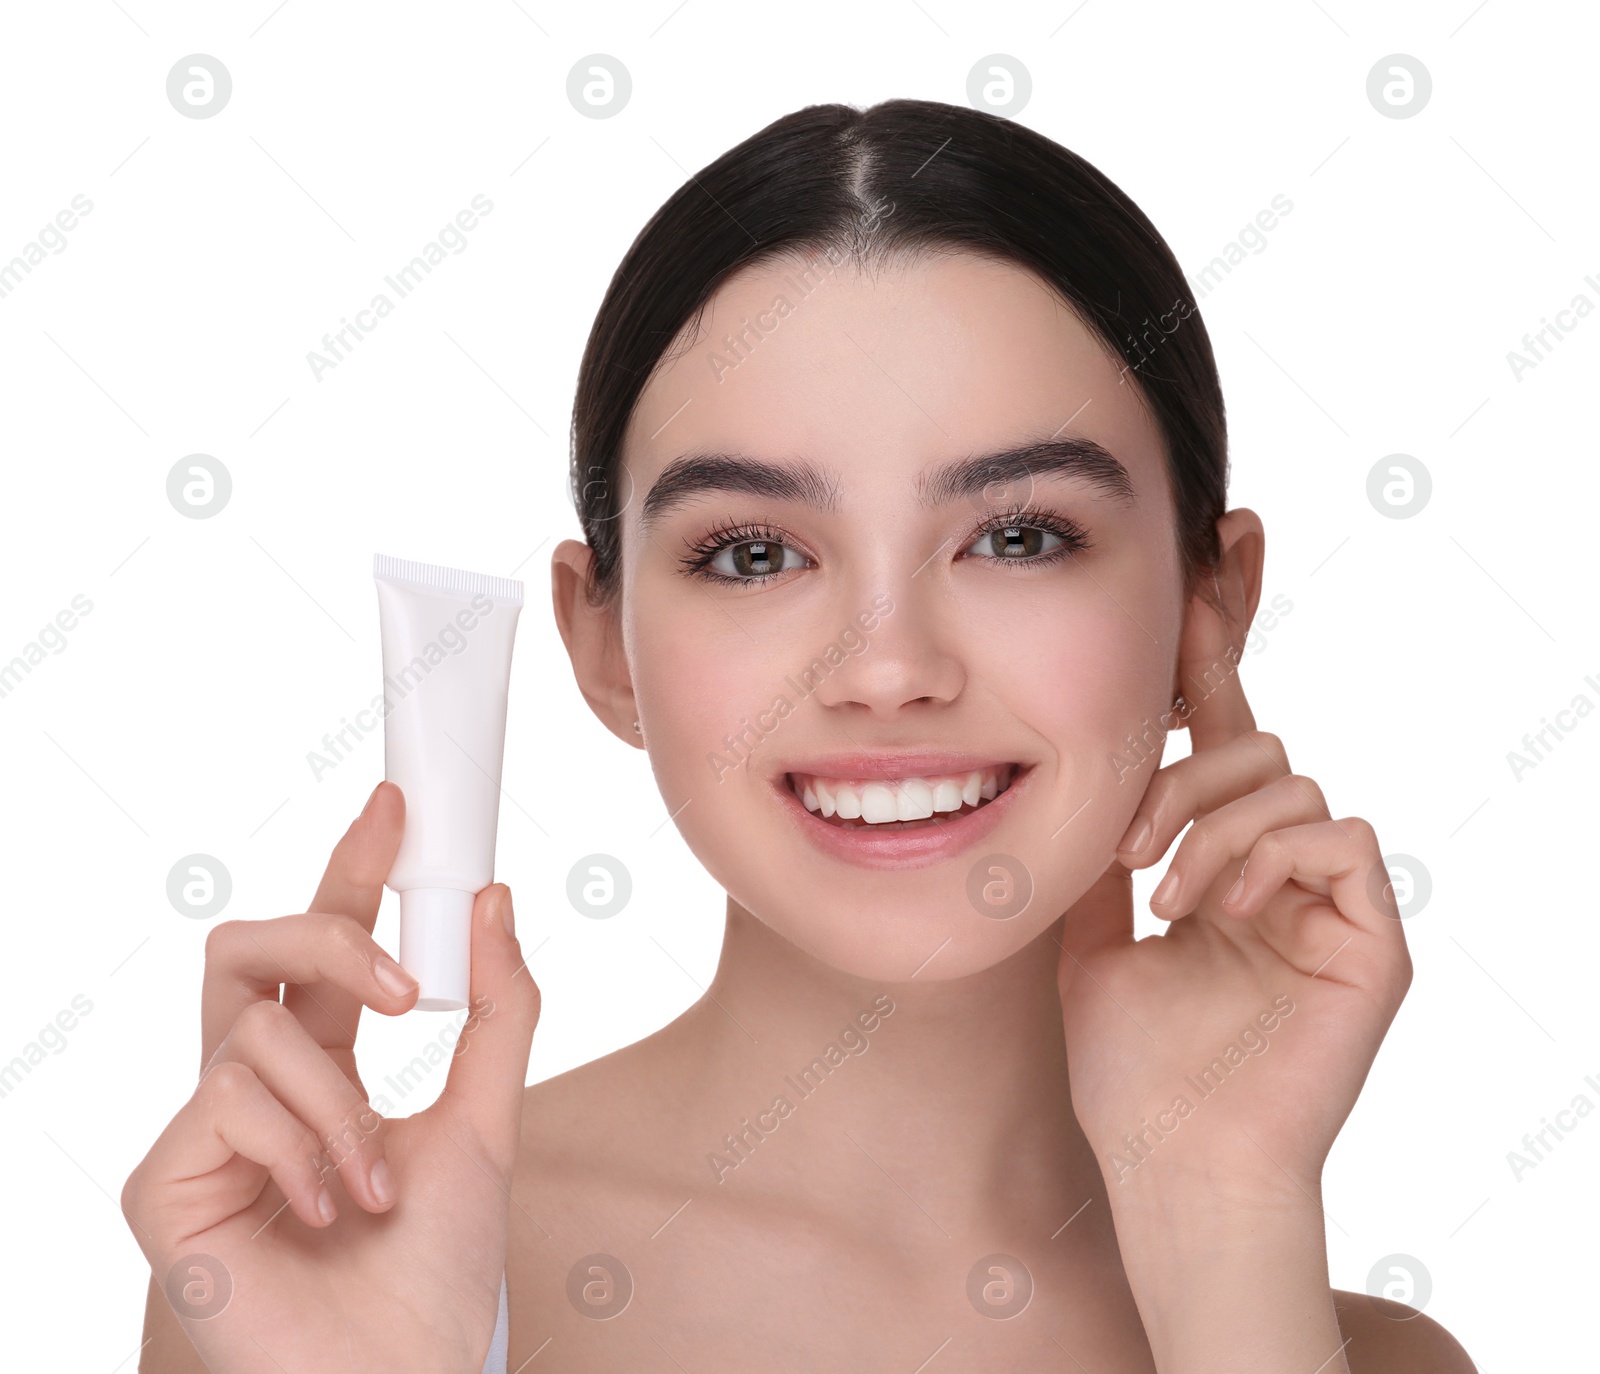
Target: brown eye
(1016, 541)
(755, 558)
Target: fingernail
(1167, 888)
(325, 1207)
(1140, 837)
(1234, 891)
(382, 1183)
(396, 981)
(507, 916)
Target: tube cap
(436, 945)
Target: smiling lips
(857, 803)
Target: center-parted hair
(904, 178)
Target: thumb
(490, 1065)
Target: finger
(1352, 936)
(270, 1041)
(330, 959)
(1196, 786)
(352, 883)
(490, 1066)
(352, 886)
(177, 1190)
(1341, 855)
(1208, 675)
(1218, 842)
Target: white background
(1377, 320)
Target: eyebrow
(696, 474)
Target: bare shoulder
(569, 1119)
(1390, 1338)
(605, 1126)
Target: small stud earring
(636, 729)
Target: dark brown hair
(958, 180)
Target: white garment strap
(496, 1363)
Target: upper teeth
(900, 799)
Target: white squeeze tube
(447, 638)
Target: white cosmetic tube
(447, 639)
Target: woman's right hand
(407, 1275)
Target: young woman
(900, 454)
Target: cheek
(1088, 664)
(710, 695)
(1095, 678)
(710, 692)
(1088, 670)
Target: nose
(903, 655)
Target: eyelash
(1073, 541)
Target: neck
(903, 1104)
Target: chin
(895, 929)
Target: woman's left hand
(1225, 1054)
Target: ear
(594, 642)
(1217, 620)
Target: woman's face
(872, 605)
